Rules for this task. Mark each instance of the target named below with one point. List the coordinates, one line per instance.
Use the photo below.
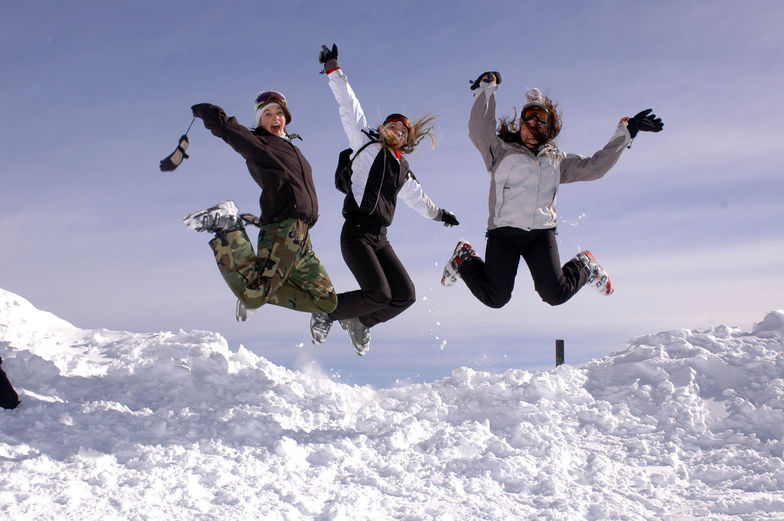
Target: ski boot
(319, 327)
(597, 276)
(221, 218)
(360, 335)
(463, 251)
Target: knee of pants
(552, 298)
(406, 302)
(328, 304)
(378, 297)
(499, 301)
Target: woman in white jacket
(380, 174)
(526, 169)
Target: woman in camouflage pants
(284, 271)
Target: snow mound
(680, 425)
(772, 326)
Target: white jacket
(524, 186)
(353, 119)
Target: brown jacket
(279, 168)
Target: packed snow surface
(115, 425)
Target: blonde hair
(417, 131)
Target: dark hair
(509, 127)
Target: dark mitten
(448, 218)
(174, 159)
(487, 79)
(206, 111)
(644, 121)
(329, 57)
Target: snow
(681, 425)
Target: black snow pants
(492, 280)
(386, 290)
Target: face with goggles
(534, 122)
(399, 125)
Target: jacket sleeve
(415, 197)
(351, 114)
(238, 137)
(575, 167)
(481, 125)
(353, 119)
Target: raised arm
(575, 167)
(352, 117)
(238, 136)
(481, 122)
(581, 168)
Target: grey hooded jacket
(524, 186)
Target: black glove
(447, 217)
(174, 159)
(644, 121)
(475, 83)
(329, 58)
(205, 111)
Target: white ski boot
(463, 251)
(223, 217)
(319, 327)
(360, 335)
(597, 277)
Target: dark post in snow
(559, 352)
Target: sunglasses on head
(270, 96)
(536, 111)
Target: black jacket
(279, 168)
(386, 177)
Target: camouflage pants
(284, 272)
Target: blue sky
(688, 223)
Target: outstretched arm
(580, 168)
(352, 116)
(575, 167)
(239, 137)
(415, 197)
(481, 122)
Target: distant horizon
(688, 223)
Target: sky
(683, 425)
(688, 223)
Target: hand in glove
(447, 217)
(645, 121)
(174, 159)
(486, 77)
(329, 58)
(205, 111)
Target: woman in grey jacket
(526, 169)
(380, 175)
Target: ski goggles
(535, 111)
(397, 117)
(270, 96)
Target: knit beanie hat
(534, 98)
